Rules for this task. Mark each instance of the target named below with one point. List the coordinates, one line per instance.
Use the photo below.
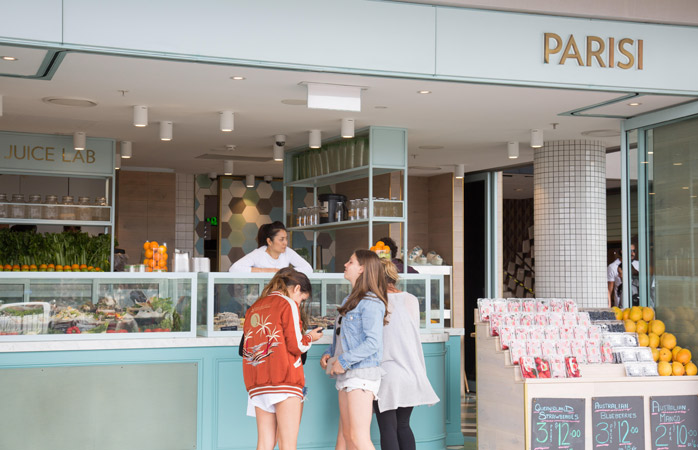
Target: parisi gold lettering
(40, 153)
(624, 53)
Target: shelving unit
(44, 155)
(387, 153)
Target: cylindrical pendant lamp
(513, 149)
(79, 140)
(140, 116)
(227, 121)
(347, 130)
(536, 138)
(315, 139)
(126, 149)
(227, 167)
(460, 171)
(166, 130)
(117, 162)
(249, 181)
(278, 153)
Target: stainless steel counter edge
(136, 343)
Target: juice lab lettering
(40, 153)
(625, 53)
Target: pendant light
(227, 121)
(536, 138)
(126, 149)
(117, 162)
(347, 130)
(249, 181)
(513, 149)
(278, 153)
(166, 130)
(140, 116)
(315, 139)
(79, 140)
(460, 171)
(227, 167)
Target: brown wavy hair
(286, 278)
(371, 280)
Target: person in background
(393, 253)
(614, 277)
(271, 359)
(357, 349)
(272, 253)
(404, 384)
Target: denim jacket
(361, 334)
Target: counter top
(151, 343)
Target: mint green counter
(169, 394)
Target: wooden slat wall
(145, 205)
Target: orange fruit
(163, 257)
(691, 369)
(162, 249)
(51, 266)
(24, 267)
(32, 267)
(373, 248)
(7, 267)
(683, 356)
(148, 253)
(630, 326)
(380, 244)
(43, 266)
(626, 313)
(664, 368)
(146, 246)
(147, 261)
(59, 267)
(654, 340)
(668, 340)
(655, 354)
(643, 340)
(647, 313)
(90, 268)
(148, 269)
(635, 313)
(664, 354)
(154, 245)
(674, 352)
(83, 266)
(75, 266)
(657, 327)
(156, 256)
(641, 326)
(162, 263)
(678, 369)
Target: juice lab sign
(49, 154)
(591, 51)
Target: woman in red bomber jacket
(271, 362)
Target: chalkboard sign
(557, 423)
(674, 422)
(618, 422)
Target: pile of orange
(154, 256)
(382, 250)
(671, 359)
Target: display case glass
(225, 297)
(44, 306)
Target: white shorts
(266, 402)
(349, 384)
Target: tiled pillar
(570, 222)
(184, 219)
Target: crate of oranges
(382, 250)
(155, 256)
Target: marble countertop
(179, 342)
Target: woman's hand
(336, 368)
(315, 333)
(323, 361)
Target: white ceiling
(472, 122)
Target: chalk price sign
(618, 422)
(557, 423)
(674, 422)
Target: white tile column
(570, 221)
(184, 219)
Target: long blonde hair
(391, 274)
(371, 280)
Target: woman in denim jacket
(355, 355)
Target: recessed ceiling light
(601, 133)
(294, 102)
(9, 58)
(678, 164)
(634, 104)
(381, 107)
(237, 78)
(684, 187)
(431, 147)
(66, 101)
(424, 92)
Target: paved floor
(468, 416)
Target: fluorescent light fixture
(634, 104)
(227, 121)
(536, 138)
(140, 116)
(227, 167)
(166, 130)
(424, 91)
(513, 149)
(315, 139)
(249, 181)
(117, 162)
(334, 96)
(0, 105)
(79, 140)
(347, 130)
(460, 171)
(9, 58)
(237, 78)
(126, 149)
(278, 153)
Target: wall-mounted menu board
(557, 423)
(674, 422)
(618, 422)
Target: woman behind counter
(272, 253)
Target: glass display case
(225, 297)
(48, 306)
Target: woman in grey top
(404, 384)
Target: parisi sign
(589, 51)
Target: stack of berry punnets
(670, 357)
(548, 333)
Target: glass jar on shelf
(84, 209)
(34, 208)
(50, 211)
(4, 205)
(18, 209)
(66, 211)
(352, 210)
(102, 211)
(363, 214)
